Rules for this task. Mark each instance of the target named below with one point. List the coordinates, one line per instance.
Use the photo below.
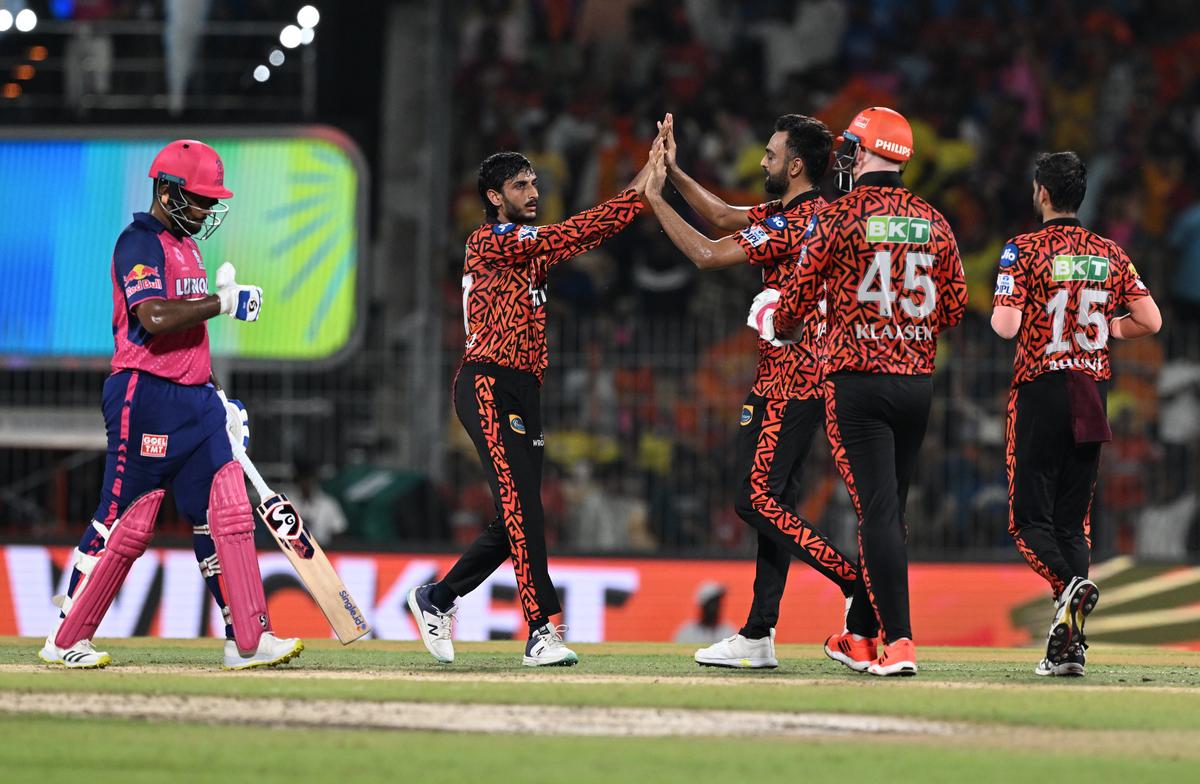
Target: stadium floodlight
(26, 20)
(6, 20)
(308, 16)
(307, 35)
(276, 58)
(290, 36)
(262, 73)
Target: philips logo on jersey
(1008, 256)
(191, 287)
(897, 228)
(503, 228)
(777, 222)
(1090, 268)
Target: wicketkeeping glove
(237, 425)
(762, 316)
(242, 302)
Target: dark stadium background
(649, 360)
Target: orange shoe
(855, 654)
(899, 658)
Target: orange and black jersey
(791, 371)
(1068, 283)
(894, 278)
(504, 280)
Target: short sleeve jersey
(149, 262)
(772, 242)
(504, 280)
(1068, 283)
(894, 277)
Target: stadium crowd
(650, 361)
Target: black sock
(442, 596)
(754, 632)
(534, 625)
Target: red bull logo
(140, 272)
(142, 277)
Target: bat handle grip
(256, 479)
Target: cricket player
(785, 406)
(1057, 292)
(166, 425)
(497, 394)
(894, 277)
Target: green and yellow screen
(292, 228)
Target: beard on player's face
(776, 182)
(519, 212)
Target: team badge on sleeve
(517, 424)
(527, 233)
(1008, 256)
(747, 415)
(756, 235)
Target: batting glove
(237, 425)
(244, 303)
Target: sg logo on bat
(281, 517)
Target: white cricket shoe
(271, 651)
(435, 626)
(740, 652)
(546, 649)
(80, 656)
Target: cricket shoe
(435, 626)
(80, 656)
(546, 649)
(1075, 604)
(898, 658)
(740, 652)
(857, 654)
(271, 651)
(1070, 667)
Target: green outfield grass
(1136, 716)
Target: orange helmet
(882, 131)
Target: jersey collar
(1062, 222)
(808, 195)
(880, 179)
(148, 221)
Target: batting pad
(127, 540)
(231, 522)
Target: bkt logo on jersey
(191, 287)
(1093, 268)
(1008, 256)
(777, 222)
(897, 228)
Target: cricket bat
(308, 559)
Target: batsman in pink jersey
(167, 426)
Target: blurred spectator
(708, 627)
(322, 515)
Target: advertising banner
(603, 599)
